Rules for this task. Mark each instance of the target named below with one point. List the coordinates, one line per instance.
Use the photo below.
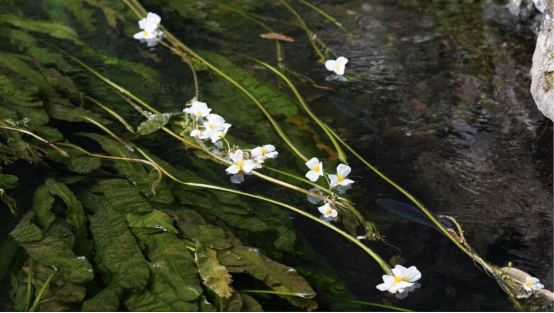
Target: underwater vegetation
(120, 197)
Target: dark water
(438, 100)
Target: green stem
(140, 13)
(37, 137)
(29, 284)
(375, 304)
(327, 191)
(42, 290)
(294, 294)
(374, 255)
(104, 128)
(269, 29)
(117, 116)
(419, 205)
(329, 17)
(309, 33)
(342, 155)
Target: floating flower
(146, 35)
(198, 109)
(267, 151)
(327, 211)
(214, 123)
(240, 164)
(317, 192)
(150, 22)
(316, 169)
(219, 134)
(402, 280)
(532, 284)
(200, 134)
(340, 178)
(337, 65)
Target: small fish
(356, 111)
(400, 210)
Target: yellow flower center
(337, 67)
(397, 279)
(211, 126)
(240, 165)
(340, 178)
(406, 278)
(145, 33)
(528, 283)
(222, 135)
(264, 151)
(199, 112)
(316, 169)
(328, 211)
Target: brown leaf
(276, 36)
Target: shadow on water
(438, 100)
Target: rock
(542, 72)
(521, 8)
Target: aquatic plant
(165, 236)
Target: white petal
(320, 173)
(312, 163)
(154, 18)
(248, 166)
(345, 182)
(342, 60)
(323, 209)
(333, 179)
(340, 71)
(233, 169)
(343, 169)
(142, 23)
(402, 295)
(330, 65)
(219, 144)
(313, 176)
(256, 152)
(237, 156)
(413, 274)
(139, 35)
(334, 213)
(269, 148)
(272, 155)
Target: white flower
(268, 151)
(146, 35)
(215, 122)
(532, 284)
(198, 109)
(402, 280)
(201, 134)
(337, 65)
(316, 169)
(240, 164)
(219, 134)
(328, 219)
(259, 160)
(339, 179)
(150, 22)
(327, 211)
(317, 192)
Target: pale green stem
(117, 116)
(341, 154)
(307, 181)
(37, 137)
(135, 6)
(104, 128)
(420, 206)
(294, 294)
(376, 304)
(42, 290)
(309, 33)
(29, 284)
(376, 257)
(329, 17)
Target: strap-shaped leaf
(154, 123)
(215, 276)
(156, 220)
(26, 231)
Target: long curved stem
(377, 258)
(29, 284)
(329, 17)
(309, 33)
(341, 154)
(37, 137)
(117, 116)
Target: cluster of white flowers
(150, 32)
(403, 281)
(213, 127)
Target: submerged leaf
(156, 220)
(42, 204)
(249, 304)
(106, 300)
(12, 204)
(124, 197)
(145, 301)
(26, 231)
(154, 123)
(118, 248)
(52, 29)
(8, 181)
(215, 276)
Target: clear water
(445, 83)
